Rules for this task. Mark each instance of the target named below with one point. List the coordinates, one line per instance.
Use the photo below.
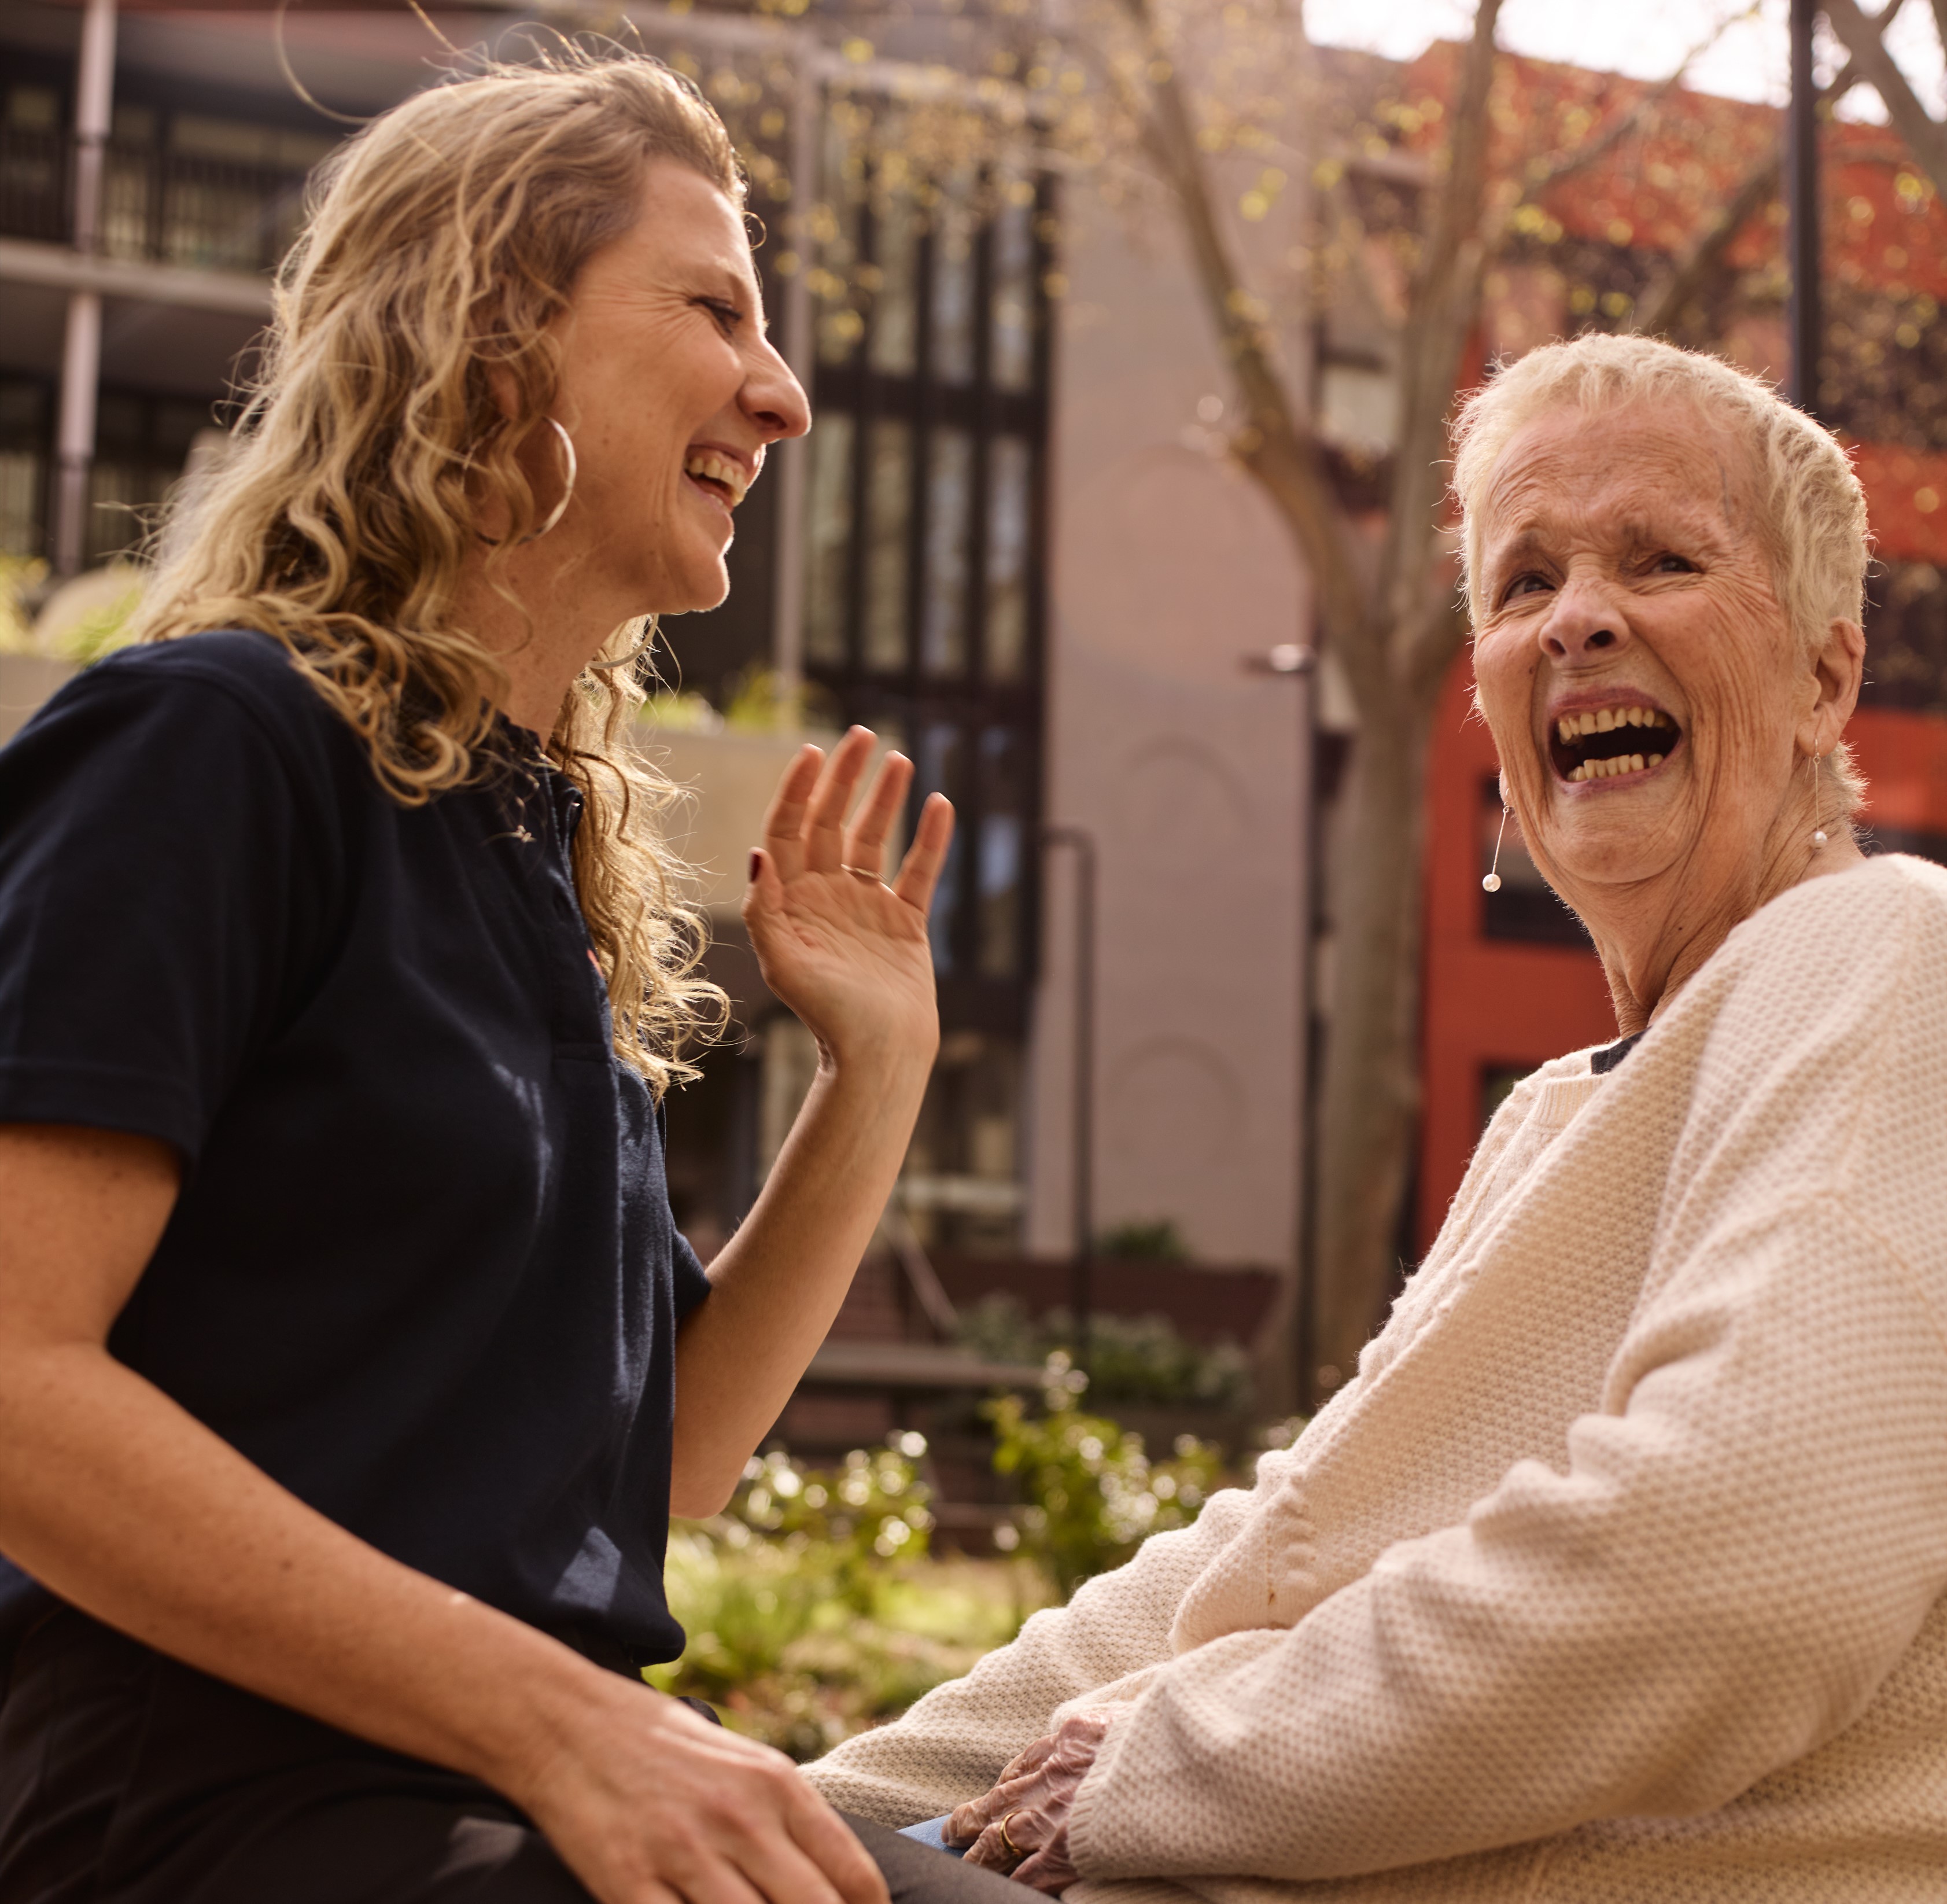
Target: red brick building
(1509, 979)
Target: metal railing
(173, 207)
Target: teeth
(1608, 770)
(730, 475)
(1605, 720)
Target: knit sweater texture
(1616, 1575)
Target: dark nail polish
(756, 859)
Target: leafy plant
(19, 575)
(1094, 1493)
(1134, 1360)
(1157, 1242)
(812, 1608)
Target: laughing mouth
(722, 479)
(1605, 743)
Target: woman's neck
(1654, 936)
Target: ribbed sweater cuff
(1087, 1851)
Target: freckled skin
(1623, 551)
(663, 349)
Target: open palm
(845, 950)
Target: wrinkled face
(1636, 667)
(672, 394)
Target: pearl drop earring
(1492, 883)
(1818, 830)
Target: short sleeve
(162, 887)
(692, 1279)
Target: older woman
(1618, 1572)
(349, 1361)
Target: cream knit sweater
(1618, 1574)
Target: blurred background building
(1016, 546)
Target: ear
(1838, 669)
(503, 388)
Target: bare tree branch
(1440, 313)
(1279, 451)
(1566, 164)
(1706, 256)
(1926, 137)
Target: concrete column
(74, 443)
(800, 352)
(81, 355)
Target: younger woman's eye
(727, 315)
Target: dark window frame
(914, 697)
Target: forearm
(777, 1285)
(121, 1503)
(1715, 1588)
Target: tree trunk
(1370, 1089)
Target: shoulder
(1865, 922)
(253, 672)
(230, 702)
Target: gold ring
(1013, 1850)
(863, 872)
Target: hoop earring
(1492, 882)
(650, 630)
(567, 494)
(1818, 828)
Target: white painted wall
(1168, 568)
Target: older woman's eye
(1669, 563)
(1527, 584)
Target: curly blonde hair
(442, 239)
(1811, 508)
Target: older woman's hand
(846, 951)
(1027, 1810)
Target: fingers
(919, 872)
(865, 841)
(825, 816)
(1046, 1871)
(845, 1863)
(783, 819)
(987, 1851)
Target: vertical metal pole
(1081, 1268)
(1802, 199)
(1298, 662)
(1304, 1329)
(80, 352)
(801, 353)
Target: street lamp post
(1801, 151)
(1082, 842)
(1294, 661)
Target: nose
(1585, 624)
(772, 397)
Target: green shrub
(1158, 1242)
(812, 1610)
(1138, 1361)
(1093, 1492)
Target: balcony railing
(173, 207)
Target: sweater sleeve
(1717, 1586)
(953, 1744)
(1736, 1552)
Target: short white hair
(1813, 510)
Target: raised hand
(847, 952)
(1021, 1826)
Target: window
(923, 615)
(1525, 909)
(922, 532)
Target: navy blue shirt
(422, 1271)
